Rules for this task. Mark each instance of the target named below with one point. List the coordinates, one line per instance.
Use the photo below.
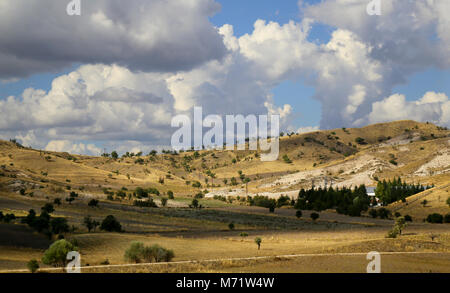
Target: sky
(113, 77)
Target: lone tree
(93, 203)
(114, 155)
(400, 223)
(56, 254)
(90, 224)
(170, 194)
(258, 242)
(314, 216)
(57, 201)
(33, 266)
(59, 225)
(110, 224)
(194, 204)
(48, 208)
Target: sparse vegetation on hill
(265, 199)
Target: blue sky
(242, 15)
(307, 111)
(347, 95)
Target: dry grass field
(202, 239)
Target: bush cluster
(137, 253)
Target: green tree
(89, 223)
(314, 216)
(400, 223)
(170, 194)
(56, 255)
(258, 242)
(93, 203)
(163, 201)
(135, 252)
(33, 266)
(59, 225)
(110, 224)
(48, 208)
(231, 226)
(435, 218)
(298, 214)
(114, 155)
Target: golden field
(201, 238)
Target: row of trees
(395, 190)
(347, 201)
(45, 223)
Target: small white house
(371, 193)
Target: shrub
(33, 266)
(140, 192)
(197, 184)
(373, 213)
(408, 218)
(314, 216)
(170, 194)
(137, 252)
(145, 203)
(8, 218)
(194, 204)
(163, 201)
(57, 201)
(447, 218)
(59, 225)
(435, 218)
(393, 233)
(383, 213)
(287, 160)
(56, 255)
(448, 201)
(231, 226)
(93, 203)
(393, 162)
(110, 224)
(199, 196)
(360, 141)
(48, 208)
(298, 214)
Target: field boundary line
(231, 259)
